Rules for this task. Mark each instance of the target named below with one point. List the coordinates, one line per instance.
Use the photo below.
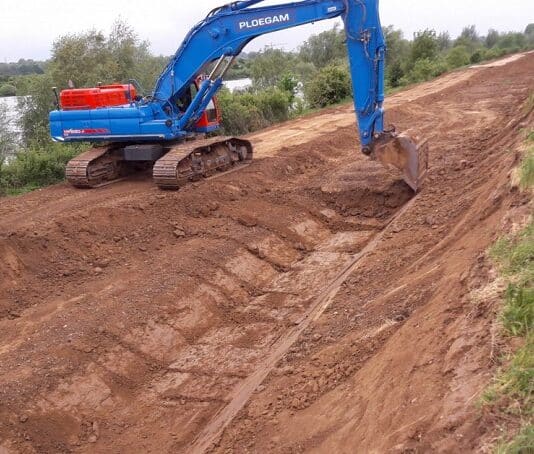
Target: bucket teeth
(407, 154)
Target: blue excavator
(173, 130)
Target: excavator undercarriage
(173, 166)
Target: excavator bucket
(407, 154)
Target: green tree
(331, 85)
(529, 35)
(83, 59)
(512, 41)
(398, 49)
(426, 69)
(269, 66)
(424, 46)
(133, 57)
(444, 41)
(35, 109)
(325, 48)
(469, 38)
(492, 38)
(86, 59)
(289, 84)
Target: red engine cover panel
(94, 98)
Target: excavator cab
(210, 119)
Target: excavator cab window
(211, 112)
(184, 101)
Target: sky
(29, 27)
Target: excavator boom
(149, 128)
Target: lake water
(11, 105)
(238, 84)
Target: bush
(477, 57)
(395, 73)
(35, 167)
(458, 56)
(494, 53)
(244, 112)
(8, 90)
(274, 105)
(426, 69)
(330, 86)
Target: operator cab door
(211, 118)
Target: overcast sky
(28, 27)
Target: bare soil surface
(307, 303)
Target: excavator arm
(228, 29)
(222, 36)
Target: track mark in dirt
(216, 426)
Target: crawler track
(200, 159)
(94, 167)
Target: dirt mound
(307, 302)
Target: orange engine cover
(94, 98)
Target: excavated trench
(174, 301)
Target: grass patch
(512, 390)
(514, 255)
(515, 385)
(527, 166)
(523, 443)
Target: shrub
(8, 90)
(458, 56)
(395, 73)
(477, 56)
(494, 53)
(274, 104)
(331, 85)
(244, 112)
(37, 167)
(426, 69)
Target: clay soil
(307, 303)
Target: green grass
(514, 255)
(512, 390)
(515, 383)
(523, 443)
(527, 166)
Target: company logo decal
(85, 132)
(264, 21)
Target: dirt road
(306, 303)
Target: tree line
(284, 83)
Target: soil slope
(308, 302)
